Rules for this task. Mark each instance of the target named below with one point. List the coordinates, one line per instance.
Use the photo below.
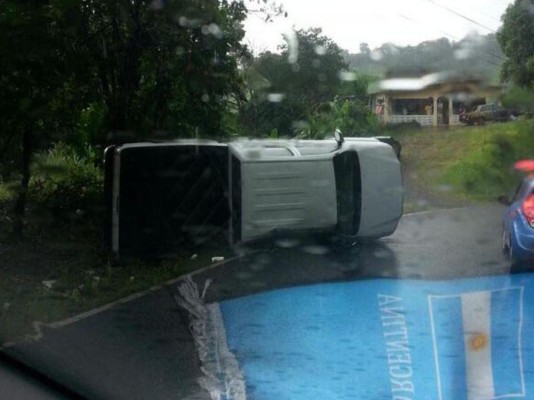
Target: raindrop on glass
(320, 50)
(275, 97)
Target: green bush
(259, 116)
(350, 116)
(66, 183)
(90, 127)
(7, 193)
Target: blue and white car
(518, 224)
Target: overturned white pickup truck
(164, 196)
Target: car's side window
(526, 188)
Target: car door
(512, 211)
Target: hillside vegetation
(447, 168)
(473, 54)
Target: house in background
(432, 100)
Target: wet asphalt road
(142, 349)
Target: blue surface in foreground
(383, 339)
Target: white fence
(424, 120)
(454, 119)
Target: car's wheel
(514, 263)
(507, 248)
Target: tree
(143, 65)
(34, 85)
(364, 49)
(293, 83)
(315, 66)
(164, 66)
(516, 37)
(349, 115)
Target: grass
(53, 275)
(6, 193)
(487, 171)
(459, 166)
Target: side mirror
(339, 137)
(504, 200)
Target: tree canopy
(289, 85)
(95, 72)
(516, 38)
(153, 67)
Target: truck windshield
(348, 192)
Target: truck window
(172, 196)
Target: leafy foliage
(351, 117)
(516, 37)
(487, 171)
(163, 66)
(68, 184)
(293, 93)
(33, 69)
(312, 69)
(128, 66)
(520, 99)
(92, 72)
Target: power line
(461, 16)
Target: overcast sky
(402, 22)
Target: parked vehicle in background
(518, 224)
(485, 113)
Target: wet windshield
(267, 200)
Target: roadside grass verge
(426, 154)
(50, 277)
(487, 171)
(459, 166)
(59, 268)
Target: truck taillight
(528, 209)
